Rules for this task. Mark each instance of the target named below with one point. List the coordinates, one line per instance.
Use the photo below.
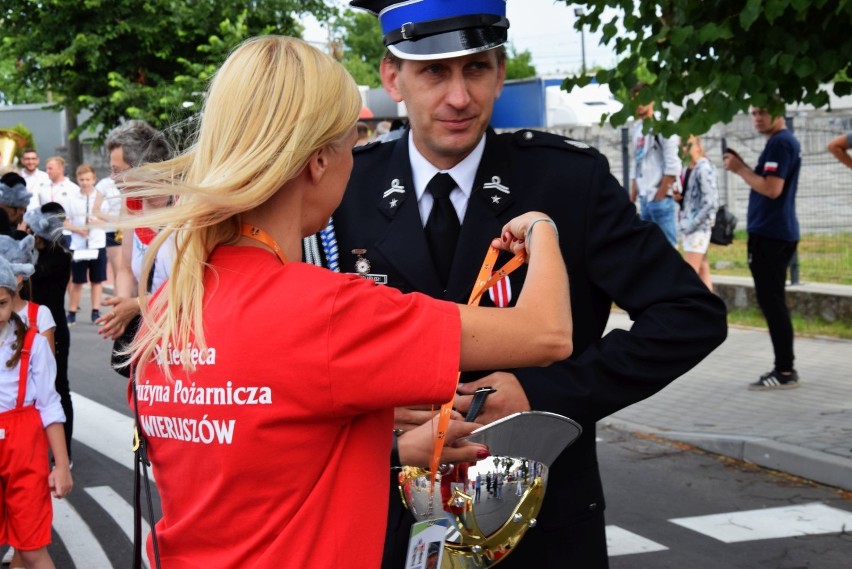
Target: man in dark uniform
(446, 62)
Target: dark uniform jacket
(611, 256)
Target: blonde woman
(265, 385)
(700, 202)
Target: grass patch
(801, 325)
(822, 258)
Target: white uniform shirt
(34, 182)
(463, 173)
(79, 209)
(59, 192)
(44, 318)
(41, 383)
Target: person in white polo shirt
(31, 174)
(88, 242)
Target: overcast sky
(545, 28)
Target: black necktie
(442, 227)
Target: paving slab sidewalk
(806, 431)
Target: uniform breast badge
(362, 265)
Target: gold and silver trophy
(491, 504)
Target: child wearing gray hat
(14, 197)
(28, 402)
(47, 225)
(48, 286)
(21, 256)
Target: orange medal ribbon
(262, 236)
(484, 281)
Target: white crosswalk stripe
(106, 431)
(770, 523)
(119, 510)
(619, 541)
(81, 543)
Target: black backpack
(723, 230)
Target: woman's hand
(113, 323)
(415, 446)
(515, 233)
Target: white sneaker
(7, 557)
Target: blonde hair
(273, 103)
(58, 159)
(85, 168)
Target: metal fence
(823, 199)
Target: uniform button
(528, 135)
(593, 506)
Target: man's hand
(415, 446)
(733, 162)
(508, 398)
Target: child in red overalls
(31, 418)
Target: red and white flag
(770, 167)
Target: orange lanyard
(484, 281)
(262, 236)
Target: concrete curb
(812, 465)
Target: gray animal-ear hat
(20, 254)
(48, 226)
(8, 280)
(13, 191)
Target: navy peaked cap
(439, 29)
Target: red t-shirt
(275, 451)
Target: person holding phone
(773, 235)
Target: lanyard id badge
(426, 545)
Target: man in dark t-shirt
(773, 234)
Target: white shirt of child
(41, 384)
(44, 318)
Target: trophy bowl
(10, 141)
(490, 504)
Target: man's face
(30, 161)
(449, 101)
(55, 171)
(763, 122)
(117, 165)
(645, 111)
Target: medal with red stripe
(486, 279)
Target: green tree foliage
(519, 64)
(362, 50)
(716, 58)
(361, 39)
(146, 59)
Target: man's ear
(501, 69)
(317, 165)
(390, 77)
